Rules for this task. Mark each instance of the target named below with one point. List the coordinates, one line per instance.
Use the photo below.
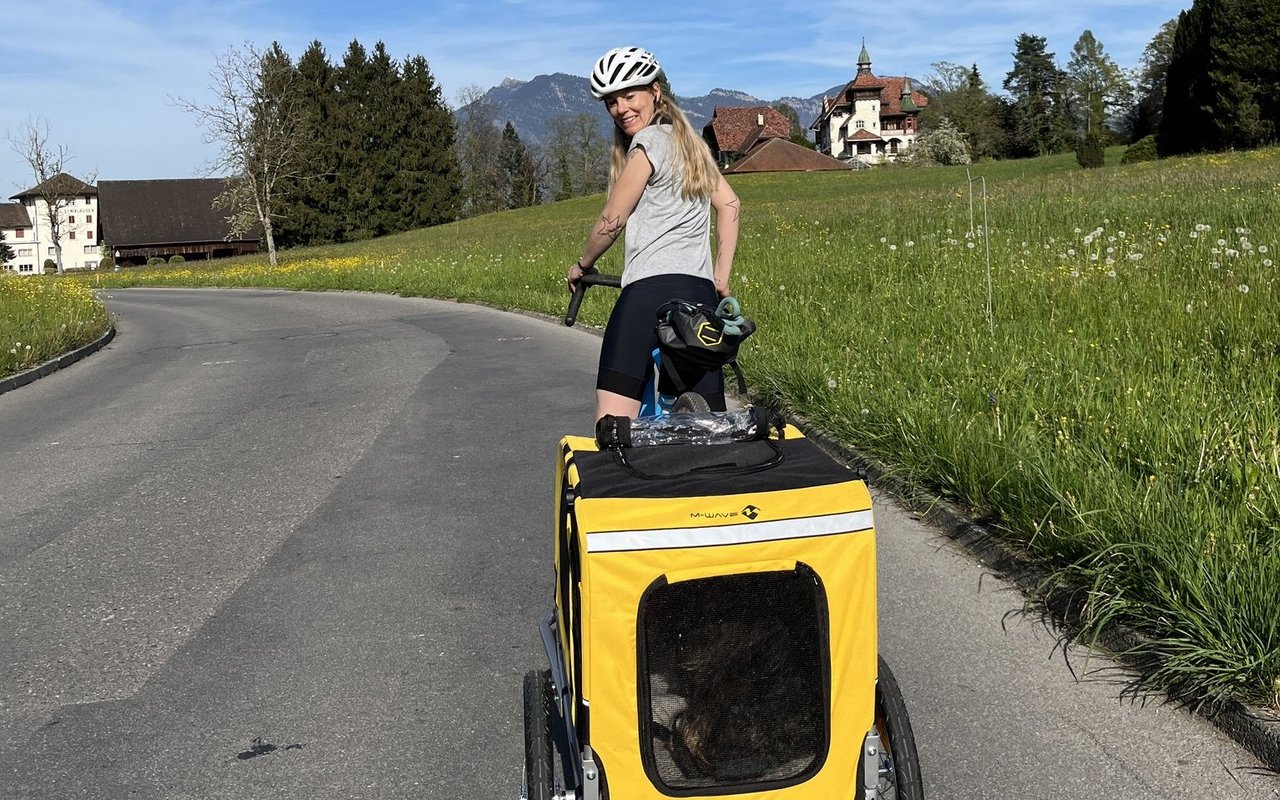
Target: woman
(663, 184)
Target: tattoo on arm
(734, 205)
(610, 226)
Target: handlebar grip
(575, 301)
(588, 280)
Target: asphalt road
(280, 545)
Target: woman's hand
(722, 285)
(575, 274)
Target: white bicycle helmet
(623, 68)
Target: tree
(519, 171)
(960, 95)
(6, 252)
(311, 199)
(257, 119)
(1035, 84)
(581, 154)
(945, 145)
(479, 142)
(796, 134)
(428, 183)
(59, 190)
(1097, 84)
(1149, 83)
(1223, 82)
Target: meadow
(1087, 360)
(41, 319)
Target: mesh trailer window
(734, 682)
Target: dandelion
(1111, 273)
(1222, 243)
(1071, 251)
(832, 383)
(1135, 257)
(1266, 262)
(1121, 234)
(910, 243)
(1244, 288)
(1075, 273)
(893, 248)
(883, 239)
(1262, 248)
(969, 245)
(1194, 235)
(1188, 308)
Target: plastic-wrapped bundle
(715, 427)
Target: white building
(871, 120)
(31, 237)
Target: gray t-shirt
(666, 234)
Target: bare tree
(258, 120)
(478, 145)
(59, 190)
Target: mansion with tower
(871, 120)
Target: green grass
(41, 319)
(1103, 385)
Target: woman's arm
(728, 208)
(622, 201)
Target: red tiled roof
(737, 129)
(782, 155)
(890, 96)
(864, 135)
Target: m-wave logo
(750, 512)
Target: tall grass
(42, 319)
(1109, 398)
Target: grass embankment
(1105, 390)
(42, 319)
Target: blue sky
(102, 73)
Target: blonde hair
(699, 174)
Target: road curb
(54, 364)
(1255, 729)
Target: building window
(88, 219)
(87, 201)
(71, 234)
(88, 235)
(19, 233)
(26, 268)
(88, 248)
(25, 251)
(861, 124)
(91, 265)
(71, 220)
(53, 251)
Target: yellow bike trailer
(714, 630)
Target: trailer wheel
(899, 764)
(538, 752)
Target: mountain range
(531, 105)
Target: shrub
(107, 262)
(1089, 152)
(177, 260)
(1142, 150)
(50, 266)
(154, 260)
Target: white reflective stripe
(672, 538)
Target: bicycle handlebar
(588, 280)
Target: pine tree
(1223, 84)
(352, 142)
(6, 252)
(311, 217)
(519, 176)
(1150, 78)
(429, 183)
(1036, 87)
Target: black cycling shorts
(626, 360)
